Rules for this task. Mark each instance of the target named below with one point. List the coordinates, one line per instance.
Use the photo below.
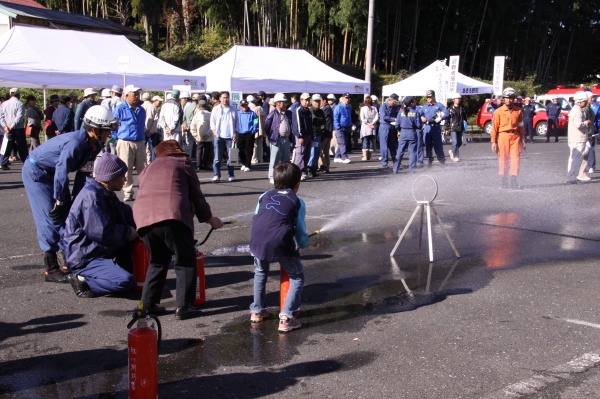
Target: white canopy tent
(251, 69)
(427, 79)
(64, 59)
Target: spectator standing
(528, 114)
(224, 125)
(368, 122)
(188, 108)
(456, 127)
(247, 127)
(553, 111)
(278, 127)
(318, 123)
(302, 129)
(259, 138)
(578, 130)
(327, 136)
(151, 124)
(264, 101)
(595, 106)
(131, 136)
(12, 117)
(49, 125)
(89, 99)
(63, 117)
(508, 138)
(170, 118)
(200, 129)
(342, 125)
(388, 136)
(34, 122)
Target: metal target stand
(425, 206)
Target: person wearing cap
(195, 99)
(170, 118)
(89, 99)
(151, 124)
(408, 123)
(342, 125)
(116, 93)
(456, 125)
(46, 180)
(303, 131)
(168, 229)
(553, 110)
(578, 130)
(12, 117)
(224, 125)
(508, 138)
(264, 101)
(327, 138)
(188, 113)
(49, 125)
(63, 117)
(258, 153)
(34, 122)
(369, 116)
(519, 102)
(388, 136)
(131, 136)
(432, 114)
(98, 233)
(589, 162)
(318, 123)
(528, 114)
(278, 127)
(247, 128)
(595, 107)
(200, 129)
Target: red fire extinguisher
(142, 344)
(141, 261)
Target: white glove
(438, 119)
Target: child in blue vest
(278, 230)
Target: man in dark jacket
(98, 229)
(553, 111)
(278, 127)
(302, 129)
(528, 114)
(327, 135)
(63, 117)
(318, 122)
(89, 99)
(456, 128)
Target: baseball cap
(305, 96)
(157, 98)
(394, 96)
(347, 95)
(331, 97)
(430, 93)
(117, 89)
(262, 93)
(408, 100)
(130, 89)
(374, 97)
(14, 90)
(316, 97)
(243, 102)
(279, 97)
(175, 93)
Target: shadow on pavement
(47, 324)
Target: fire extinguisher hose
(211, 230)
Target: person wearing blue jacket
(553, 111)
(432, 113)
(409, 124)
(388, 136)
(63, 117)
(89, 100)
(131, 136)
(46, 180)
(248, 126)
(342, 126)
(278, 230)
(278, 127)
(98, 232)
(303, 131)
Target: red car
(540, 125)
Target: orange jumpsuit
(508, 131)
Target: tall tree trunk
(568, 54)
(437, 53)
(345, 43)
(146, 29)
(478, 36)
(185, 13)
(414, 39)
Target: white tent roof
(426, 79)
(65, 59)
(250, 69)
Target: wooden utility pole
(369, 55)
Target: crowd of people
(86, 233)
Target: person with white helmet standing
(508, 137)
(46, 180)
(455, 128)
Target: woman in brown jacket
(169, 197)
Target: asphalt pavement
(516, 316)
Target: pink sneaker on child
(259, 317)
(286, 324)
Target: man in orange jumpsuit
(508, 137)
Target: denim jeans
(295, 271)
(388, 140)
(221, 145)
(280, 153)
(368, 143)
(457, 138)
(315, 152)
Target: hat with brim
(89, 91)
(54, 98)
(131, 89)
(157, 98)
(169, 148)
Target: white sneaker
(216, 179)
(347, 160)
(232, 178)
(271, 181)
(456, 159)
(451, 155)
(303, 177)
(584, 178)
(591, 170)
(337, 160)
(245, 169)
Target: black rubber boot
(513, 183)
(81, 288)
(504, 182)
(53, 273)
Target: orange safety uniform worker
(508, 137)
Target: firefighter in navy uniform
(388, 135)
(46, 179)
(553, 111)
(432, 114)
(528, 114)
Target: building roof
(64, 18)
(29, 3)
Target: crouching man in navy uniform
(46, 179)
(98, 229)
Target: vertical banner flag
(235, 99)
(440, 87)
(498, 81)
(452, 83)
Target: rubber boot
(504, 182)
(364, 157)
(513, 183)
(368, 155)
(53, 274)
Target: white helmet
(250, 98)
(580, 96)
(279, 97)
(105, 93)
(509, 92)
(331, 97)
(374, 97)
(100, 117)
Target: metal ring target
(434, 191)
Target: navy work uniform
(553, 112)
(528, 114)
(388, 135)
(409, 124)
(433, 113)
